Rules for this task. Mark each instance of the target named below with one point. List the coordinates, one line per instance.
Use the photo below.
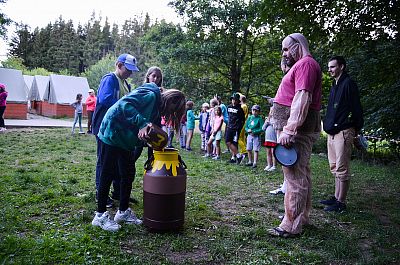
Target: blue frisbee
(285, 156)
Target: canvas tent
(28, 82)
(17, 106)
(36, 93)
(61, 92)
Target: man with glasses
(296, 106)
(113, 86)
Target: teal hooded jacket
(124, 119)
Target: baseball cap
(256, 107)
(129, 62)
(90, 91)
(235, 96)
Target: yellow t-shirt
(123, 87)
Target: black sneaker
(331, 201)
(232, 161)
(337, 207)
(239, 160)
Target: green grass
(47, 204)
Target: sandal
(279, 232)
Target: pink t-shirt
(218, 120)
(304, 75)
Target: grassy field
(47, 204)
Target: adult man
(113, 86)
(235, 125)
(296, 106)
(343, 120)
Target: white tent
(28, 82)
(63, 89)
(15, 85)
(38, 88)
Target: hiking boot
(337, 207)
(105, 222)
(127, 216)
(331, 201)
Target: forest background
(227, 46)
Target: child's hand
(144, 132)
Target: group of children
(211, 119)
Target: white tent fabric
(28, 82)
(38, 88)
(15, 85)
(63, 89)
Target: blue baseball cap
(129, 62)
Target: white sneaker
(271, 169)
(127, 216)
(277, 191)
(206, 155)
(216, 158)
(105, 222)
(267, 168)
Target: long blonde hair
(172, 107)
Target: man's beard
(289, 60)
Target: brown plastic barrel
(164, 191)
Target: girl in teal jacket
(123, 127)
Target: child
(77, 105)
(190, 123)
(3, 103)
(182, 131)
(171, 133)
(235, 124)
(154, 75)
(270, 142)
(253, 130)
(216, 134)
(203, 119)
(124, 125)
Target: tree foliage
(4, 21)
(234, 45)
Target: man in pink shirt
(296, 108)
